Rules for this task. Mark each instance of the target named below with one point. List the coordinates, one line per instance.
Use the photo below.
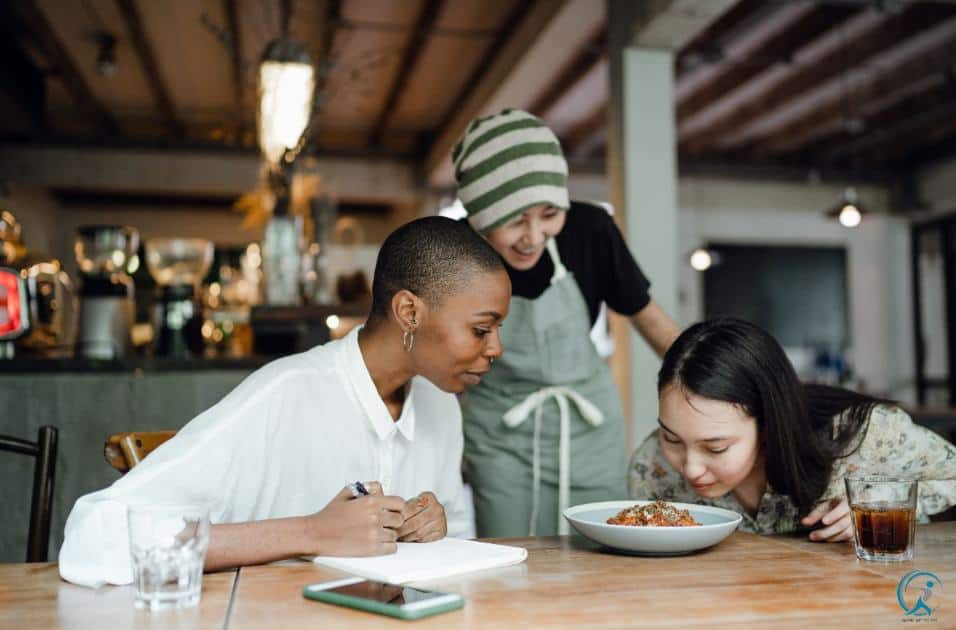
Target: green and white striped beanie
(507, 163)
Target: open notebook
(417, 562)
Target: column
(642, 181)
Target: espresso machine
(14, 309)
(178, 265)
(14, 314)
(103, 254)
(36, 298)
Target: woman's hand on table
(424, 519)
(362, 526)
(834, 520)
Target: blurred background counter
(87, 404)
(89, 399)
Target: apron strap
(560, 271)
(535, 402)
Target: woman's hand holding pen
(356, 526)
(424, 519)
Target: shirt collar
(372, 404)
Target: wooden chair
(44, 472)
(125, 450)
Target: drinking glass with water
(168, 547)
(884, 516)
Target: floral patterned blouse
(892, 445)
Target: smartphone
(386, 599)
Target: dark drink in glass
(884, 516)
(883, 528)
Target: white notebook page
(417, 562)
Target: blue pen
(358, 489)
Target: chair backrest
(44, 472)
(124, 450)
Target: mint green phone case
(369, 605)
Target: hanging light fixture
(849, 212)
(286, 85)
(702, 259)
(106, 54)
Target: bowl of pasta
(652, 527)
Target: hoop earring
(408, 340)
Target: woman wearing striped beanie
(545, 429)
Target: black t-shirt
(593, 249)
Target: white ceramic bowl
(590, 520)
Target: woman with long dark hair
(739, 430)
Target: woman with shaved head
(271, 459)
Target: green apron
(544, 429)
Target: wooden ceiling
(842, 84)
(186, 69)
(845, 84)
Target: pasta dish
(657, 514)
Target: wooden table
(34, 596)
(746, 581)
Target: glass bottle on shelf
(316, 284)
(280, 252)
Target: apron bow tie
(535, 402)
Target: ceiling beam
(515, 38)
(21, 83)
(814, 50)
(829, 67)
(147, 60)
(893, 94)
(907, 133)
(942, 151)
(778, 47)
(36, 24)
(324, 64)
(707, 46)
(333, 17)
(835, 89)
(421, 31)
(741, 168)
(185, 172)
(285, 17)
(913, 153)
(591, 54)
(231, 10)
(739, 44)
(671, 24)
(582, 131)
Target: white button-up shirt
(283, 443)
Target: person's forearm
(259, 542)
(656, 327)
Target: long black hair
(734, 361)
